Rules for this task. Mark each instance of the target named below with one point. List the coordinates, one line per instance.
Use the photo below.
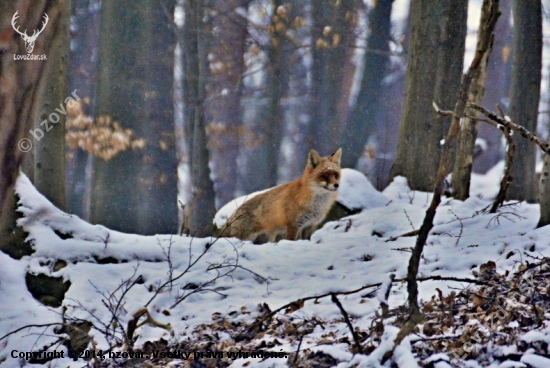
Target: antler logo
(29, 40)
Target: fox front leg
(292, 232)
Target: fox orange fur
(292, 207)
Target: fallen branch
(297, 304)
(457, 279)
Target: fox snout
(330, 180)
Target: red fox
(289, 208)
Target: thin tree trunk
(365, 113)
(227, 53)
(331, 36)
(525, 93)
(200, 212)
(464, 159)
(83, 78)
(497, 87)
(276, 86)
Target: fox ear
(336, 156)
(313, 159)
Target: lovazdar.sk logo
(29, 40)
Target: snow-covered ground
(343, 255)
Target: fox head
(324, 171)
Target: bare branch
(512, 126)
(348, 322)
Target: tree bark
(20, 97)
(200, 212)
(525, 93)
(462, 171)
(365, 113)
(331, 36)
(227, 54)
(136, 191)
(49, 152)
(433, 74)
(497, 87)
(276, 86)
(85, 41)
(489, 15)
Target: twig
(487, 121)
(461, 227)
(545, 261)
(410, 233)
(348, 322)
(168, 256)
(410, 222)
(203, 286)
(507, 177)
(104, 240)
(29, 326)
(298, 350)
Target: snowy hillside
(223, 290)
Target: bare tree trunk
(525, 93)
(49, 152)
(431, 76)
(136, 191)
(200, 212)
(497, 87)
(392, 103)
(227, 55)
(85, 41)
(464, 159)
(20, 97)
(331, 36)
(276, 87)
(365, 113)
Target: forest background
(186, 104)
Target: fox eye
(336, 176)
(324, 177)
